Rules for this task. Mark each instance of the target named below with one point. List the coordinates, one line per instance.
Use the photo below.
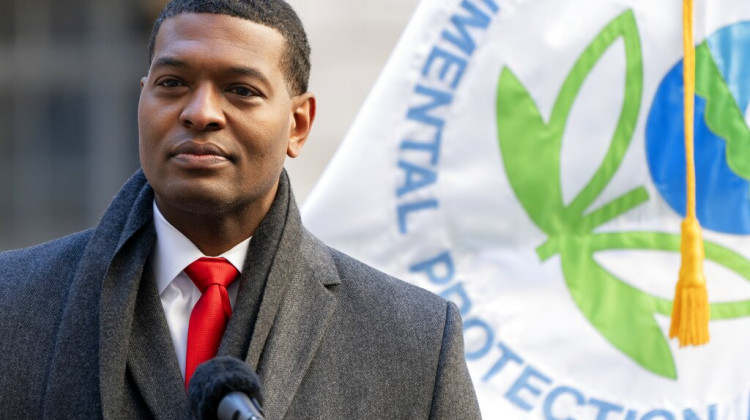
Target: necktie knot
(211, 270)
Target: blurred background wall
(69, 74)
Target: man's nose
(204, 111)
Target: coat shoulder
(373, 291)
(43, 265)
(387, 338)
(387, 291)
(34, 285)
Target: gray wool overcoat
(83, 334)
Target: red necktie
(209, 318)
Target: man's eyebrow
(249, 71)
(168, 62)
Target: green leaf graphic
(530, 149)
(625, 314)
(525, 138)
(622, 313)
(526, 141)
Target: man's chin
(196, 200)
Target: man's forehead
(210, 27)
(220, 41)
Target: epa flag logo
(624, 314)
(524, 159)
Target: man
(112, 321)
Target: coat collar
(286, 288)
(88, 363)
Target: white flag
(524, 159)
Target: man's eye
(170, 83)
(243, 91)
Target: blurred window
(68, 140)
(7, 25)
(66, 122)
(70, 20)
(6, 126)
(6, 163)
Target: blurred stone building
(69, 73)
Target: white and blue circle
(722, 196)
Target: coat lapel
(151, 350)
(284, 305)
(299, 326)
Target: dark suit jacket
(83, 334)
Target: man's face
(215, 117)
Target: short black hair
(276, 14)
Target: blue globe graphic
(722, 196)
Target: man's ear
(303, 114)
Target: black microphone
(225, 388)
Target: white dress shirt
(171, 255)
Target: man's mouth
(199, 155)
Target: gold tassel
(690, 310)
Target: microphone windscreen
(216, 378)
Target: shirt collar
(174, 251)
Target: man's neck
(213, 234)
